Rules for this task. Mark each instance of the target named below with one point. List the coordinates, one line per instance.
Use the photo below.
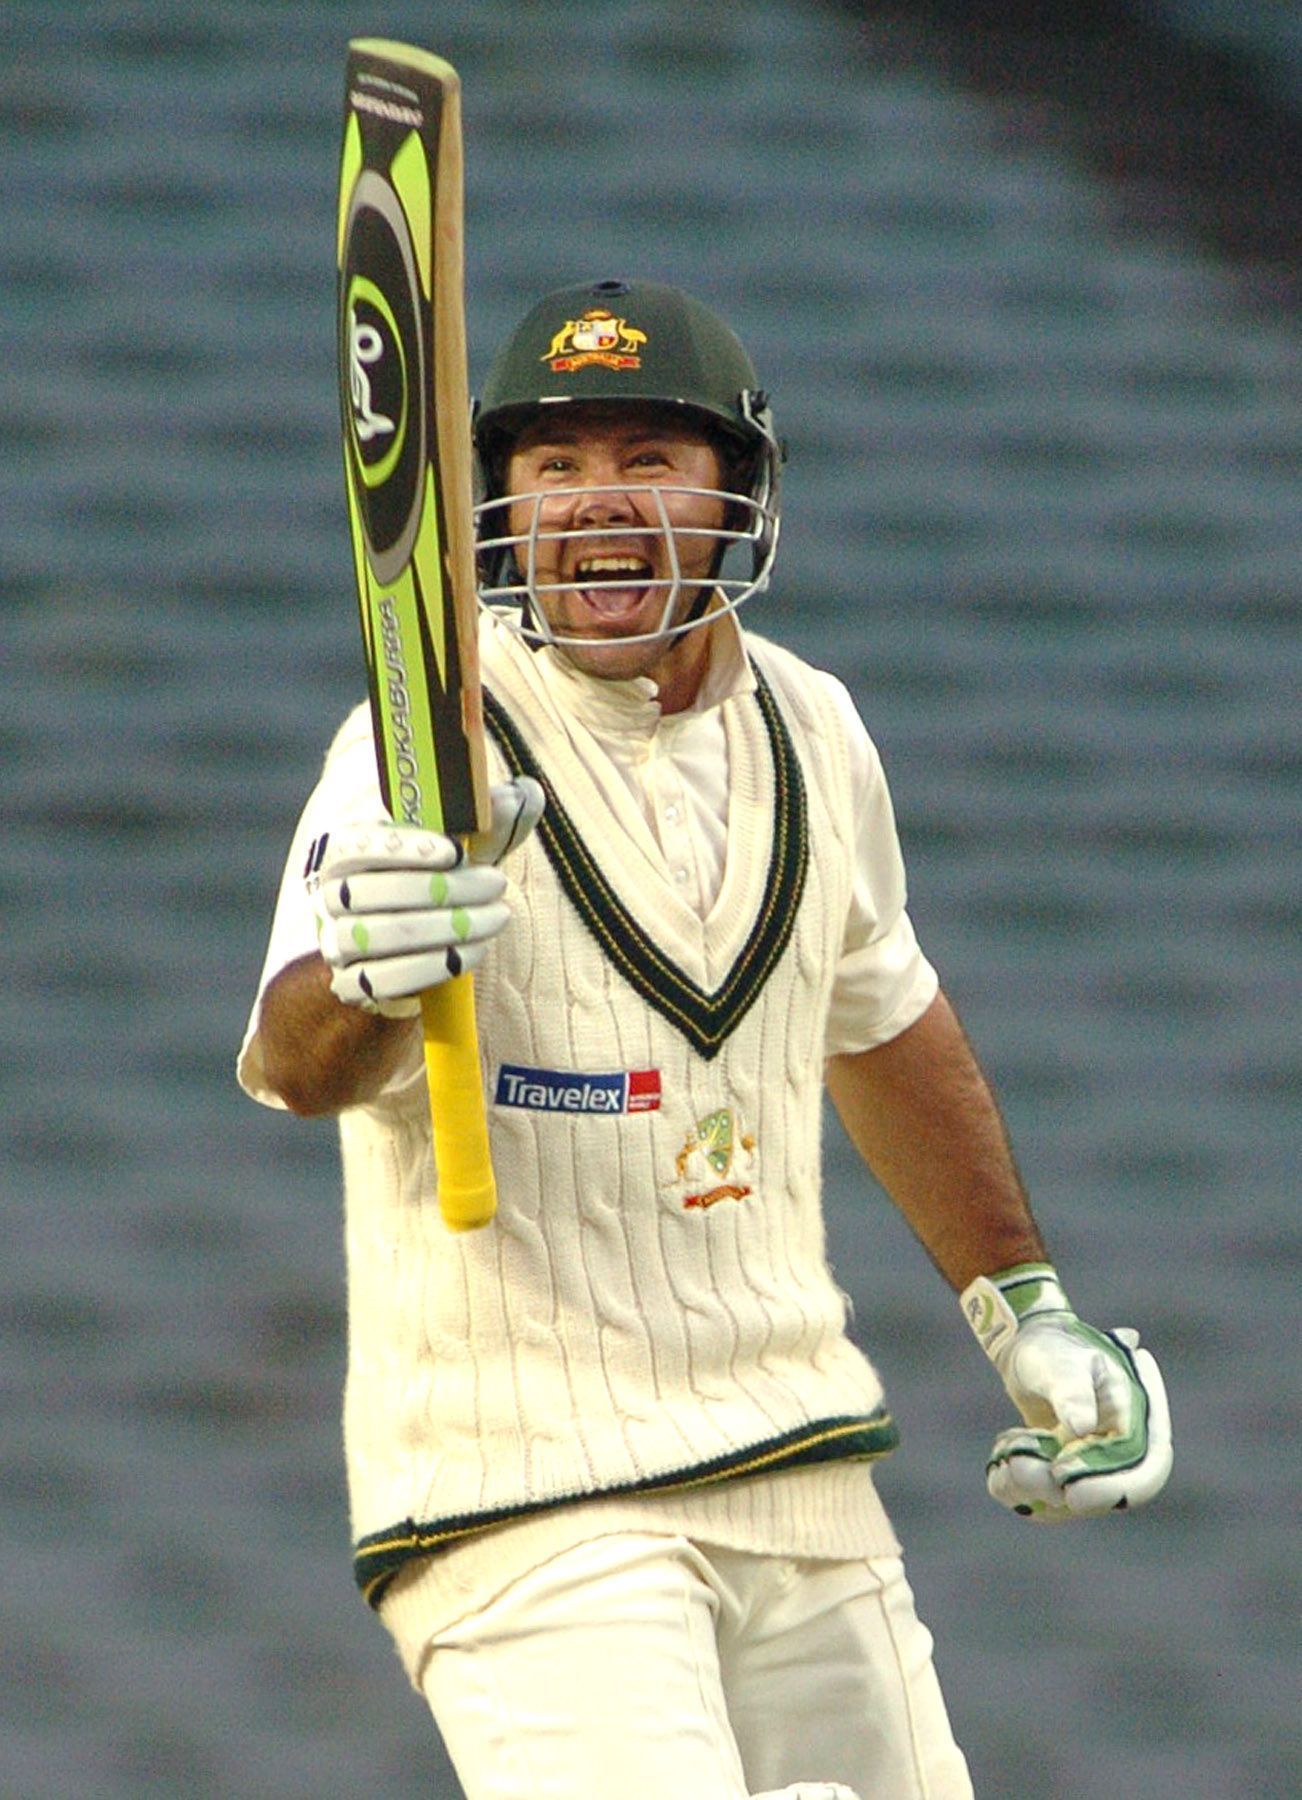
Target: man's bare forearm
(319, 1055)
(922, 1116)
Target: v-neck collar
(644, 955)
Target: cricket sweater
(651, 1313)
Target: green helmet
(622, 343)
(618, 341)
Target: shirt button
(680, 876)
(671, 814)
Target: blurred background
(1024, 281)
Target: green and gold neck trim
(706, 1019)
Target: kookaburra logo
(365, 348)
(381, 373)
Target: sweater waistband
(379, 1555)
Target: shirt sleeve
(883, 981)
(348, 791)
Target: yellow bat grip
(467, 1190)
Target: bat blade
(405, 415)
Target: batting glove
(809, 1790)
(400, 909)
(1097, 1434)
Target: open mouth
(613, 585)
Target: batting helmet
(622, 343)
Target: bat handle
(467, 1190)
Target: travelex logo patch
(567, 1091)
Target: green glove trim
(995, 1305)
(1117, 1452)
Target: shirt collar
(632, 706)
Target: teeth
(612, 565)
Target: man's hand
(1097, 1433)
(400, 909)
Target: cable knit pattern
(652, 1306)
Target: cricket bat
(406, 429)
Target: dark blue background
(1041, 514)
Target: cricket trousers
(648, 1667)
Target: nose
(604, 505)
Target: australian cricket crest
(717, 1160)
(596, 336)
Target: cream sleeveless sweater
(651, 1310)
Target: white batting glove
(1097, 1434)
(400, 909)
(809, 1790)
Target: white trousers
(645, 1667)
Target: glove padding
(1097, 1433)
(809, 1790)
(401, 909)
